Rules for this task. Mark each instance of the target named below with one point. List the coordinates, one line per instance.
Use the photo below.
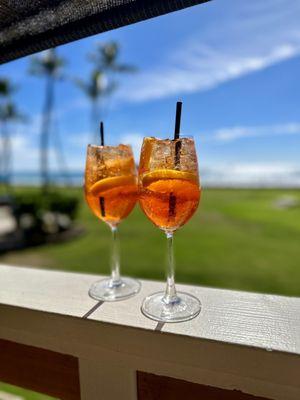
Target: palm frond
(81, 84)
(6, 88)
(9, 112)
(105, 58)
(47, 63)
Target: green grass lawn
(24, 394)
(238, 239)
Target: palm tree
(8, 113)
(102, 81)
(95, 88)
(49, 66)
(105, 58)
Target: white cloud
(25, 153)
(207, 72)
(252, 175)
(81, 139)
(135, 140)
(76, 159)
(240, 132)
(17, 141)
(230, 174)
(230, 49)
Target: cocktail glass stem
(114, 288)
(170, 296)
(115, 279)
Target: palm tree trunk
(6, 148)
(2, 156)
(94, 121)
(45, 131)
(60, 157)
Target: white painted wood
(269, 322)
(245, 341)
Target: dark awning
(29, 26)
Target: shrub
(37, 203)
(40, 214)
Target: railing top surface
(249, 319)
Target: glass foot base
(105, 291)
(187, 307)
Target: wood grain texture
(250, 319)
(155, 387)
(40, 370)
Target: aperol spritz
(169, 196)
(111, 193)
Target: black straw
(177, 120)
(102, 133)
(101, 199)
(172, 198)
(102, 206)
(177, 133)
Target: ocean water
(210, 177)
(34, 179)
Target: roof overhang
(29, 26)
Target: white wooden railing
(55, 339)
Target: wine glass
(169, 195)
(111, 193)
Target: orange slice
(183, 190)
(146, 152)
(160, 174)
(112, 182)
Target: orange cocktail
(169, 193)
(111, 193)
(111, 183)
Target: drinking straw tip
(102, 133)
(177, 119)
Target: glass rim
(99, 146)
(168, 139)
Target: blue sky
(235, 65)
